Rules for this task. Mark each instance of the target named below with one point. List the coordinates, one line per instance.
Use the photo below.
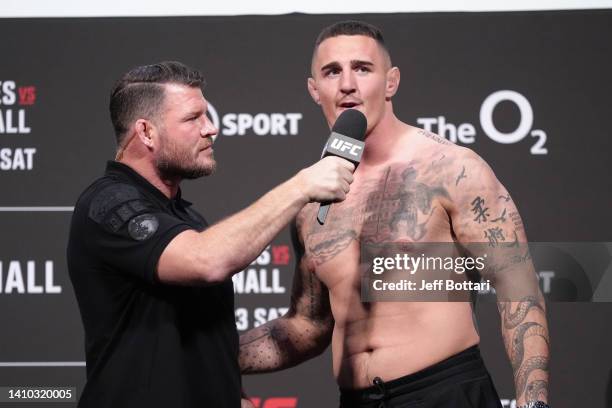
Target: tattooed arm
(486, 220)
(304, 332)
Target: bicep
(179, 261)
(486, 222)
(485, 212)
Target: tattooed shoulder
(434, 137)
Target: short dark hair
(352, 27)
(139, 92)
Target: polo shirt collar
(115, 167)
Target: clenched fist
(328, 180)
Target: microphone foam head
(351, 123)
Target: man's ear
(393, 81)
(145, 132)
(313, 91)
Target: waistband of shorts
(463, 365)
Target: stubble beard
(174, 164)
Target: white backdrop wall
(117, 8)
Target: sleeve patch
(125, 212)
(110, 198)
(143, 226)
(114, 223)
(116, 205)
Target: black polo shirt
(147, 343)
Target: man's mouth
(349, 104)
(209, 144)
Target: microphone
(346, 141)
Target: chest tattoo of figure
(395, 206)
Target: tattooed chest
(395, 206)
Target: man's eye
(332, 72)
(363, 69)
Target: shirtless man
(410, 187)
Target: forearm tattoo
(280, 344)
(527, 321)
(522, 332)
(536, 390)
(287, 341)
(266, 348)
(513, 319)
(522, 374)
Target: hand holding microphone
(328, 180)
(345, 141)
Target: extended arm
(304, 332)
(486, 220)
(213, 255)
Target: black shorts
(460, 381)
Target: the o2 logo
(525, 125)
(465, 133)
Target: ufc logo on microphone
(343, 146)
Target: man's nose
(348, 84)
(209, 129)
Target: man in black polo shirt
(151, 278)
